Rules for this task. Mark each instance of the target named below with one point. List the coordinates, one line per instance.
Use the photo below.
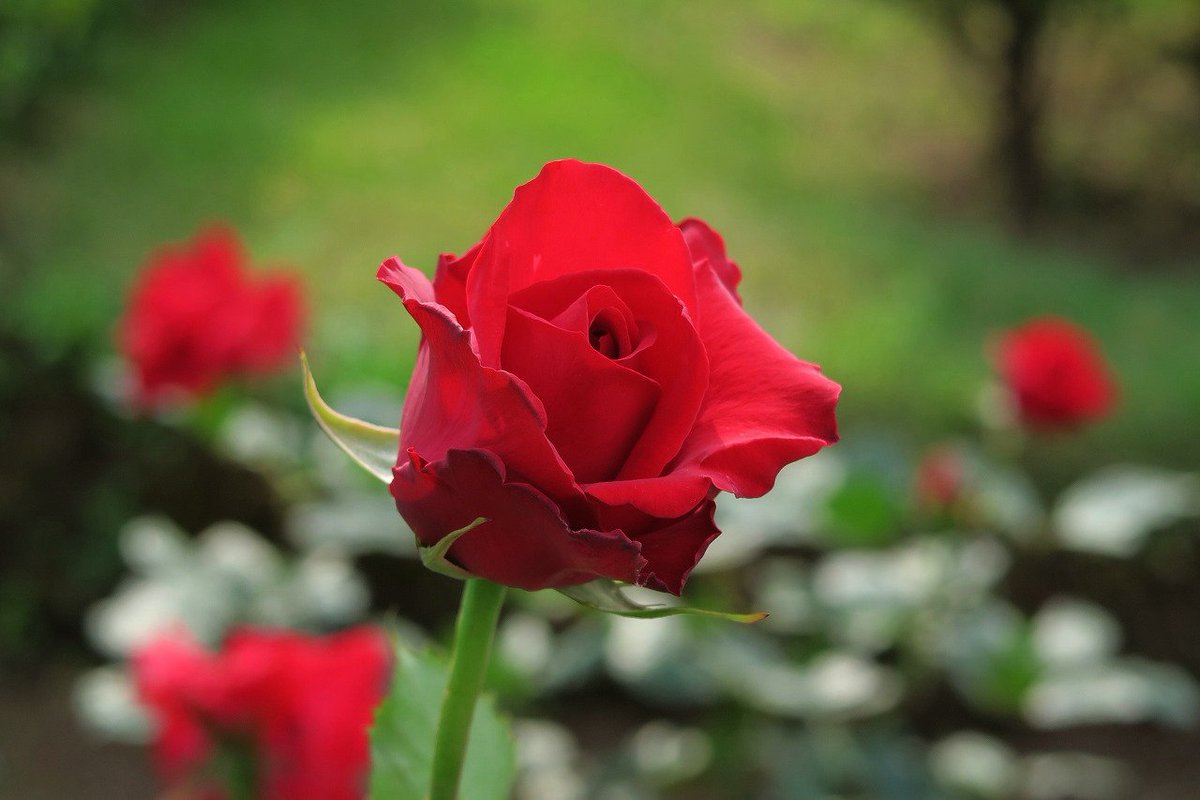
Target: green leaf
(434, 557)
(864, 512)
(605, 595)
(372, 447)
(402, 736)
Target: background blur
(898, 179)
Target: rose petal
(525, 543)
(450, 282)
(764, 408)
(669, 496)
(669, 352)
(596, 409)
(705, 244)
(673, 550)
(573, 217)
(454, 401)
(408, 283)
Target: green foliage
(403, 735)
(411, 143)
(38, 37)
(865, 512)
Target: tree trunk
(1020, 111)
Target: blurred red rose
(197, 317)
(296, 707)
(939, 479)
(1055, 374)
(588, 382)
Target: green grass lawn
(333, 135)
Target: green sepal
(434, 557)
(373, 447)
(606, 595)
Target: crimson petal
(597, 409)
(705, 244)
(573, 217)
(764, 408)
(672, 551)
(526, 542)
(670, 352)
(455, 402)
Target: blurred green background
(844, 149)
(898, 179)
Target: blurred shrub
(41, 40)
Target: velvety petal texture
(588, 382)
(526, 541)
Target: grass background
(827, 141)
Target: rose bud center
(609, 333)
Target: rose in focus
(290, 711)
(587, 381)
(197, 317)
(1055, 374)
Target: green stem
(477, 616)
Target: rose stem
(473, 633)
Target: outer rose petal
(450, 282)
(573, 217)
(705, 244)
(455, 402)
(764, 409)
(525, 543)
(672, 551)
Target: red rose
(196, 317)
(588, 382)
(301, 705)
(1055, 373)
(940, 478)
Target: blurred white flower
(228, 575)
(354, 522)
(546, 762)
(1069, 632)
(152, 544)
(1113, 511)
(665, 754)
(255, 434)
(791, 511)
(327, 591)
(239, 553)
(783, 586)
(635, 647)
(138, 611)
(106, 701)
(526, 642)
(1122, 691)
(976, 764)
